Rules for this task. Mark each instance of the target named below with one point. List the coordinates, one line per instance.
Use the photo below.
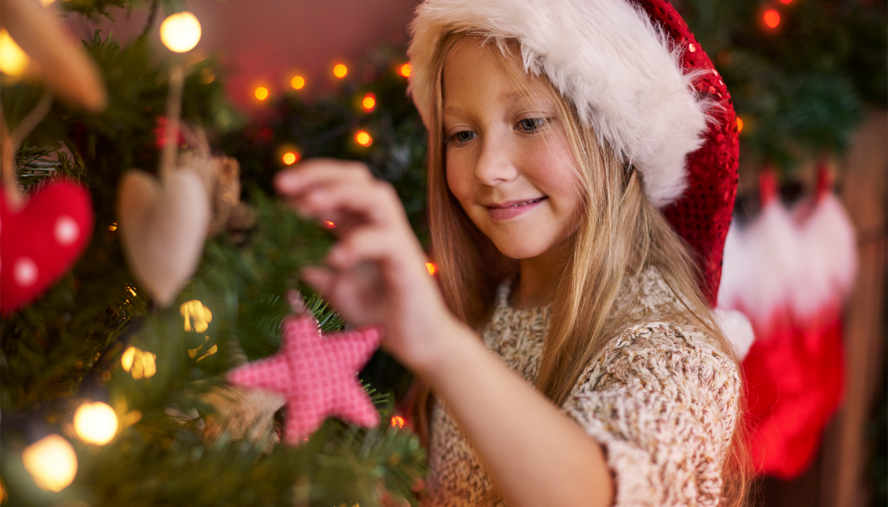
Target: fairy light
(405, 70)
(398, 422)
(261, 93)
(363, 138)
(291, 157)
(369, 102)
(771, 18)
(298, 82)
(52, 463)
(112, 227)
(786, 2)
(95, 423)
(192, 353)
(739, 124)
(340, 70)
(139, 363)
(432, 267)
(13, 61)
(329, 225)
(197, 316)
(180, 32)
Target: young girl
(570, 348)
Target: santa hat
(637, 75)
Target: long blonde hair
(619, 235)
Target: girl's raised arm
(376, 275)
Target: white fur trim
(605, 56)
(737, 329)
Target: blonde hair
(620, 234)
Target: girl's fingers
(374, 202)
(304, 176)
(369, 244)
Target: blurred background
(274, 81)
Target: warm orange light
(363, 138)
(786, 2)
(261, 93)
(52, 462)
(329, 225)
(432, 267)
(369, 102)
(139, 363)
(772, 18)
(95, 423)
(291, 157)
(112, 227)
(298, 82)
(197, 316)
(180, 32)
(405, 70)
(13, 61)
(340, 70)
(739, 124)
(398, 422)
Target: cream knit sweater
(660, 398)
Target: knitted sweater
(661, 399)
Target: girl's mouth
(513, 208)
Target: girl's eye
(463, 136)
(531, 124)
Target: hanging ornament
(317, 376)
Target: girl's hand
(376, 273)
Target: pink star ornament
(317, 375)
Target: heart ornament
(163, 224)
(40, 239)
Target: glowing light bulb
(261, 93)
(363, 138)
(298, 82)
(329, 225)
(112, 227)
(139, 363)
(95, 423)
(13, 61)
(739, 124)
(405, 70)
(291, 157)
(398, 422)
(52, 462)
(369, 102)
(786, 2)
(194, 311)
(340, 70)
(180, 32)
(432, 267)
(771, 18)
(128, 357)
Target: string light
(771, 18)
(739, 124)
(13, 61)
(95, 423)
(369, 102)
(261, 93)
(52, 462)
(363, 138)
(192, 353)
(432, 267)
(398, 422)
(786, 2)
(197, 314)
(180, 32)
(291, 157)
(329, 225)
(405, 70)
(112, 227)
(340, 70)
(139, 363)
(298, 82)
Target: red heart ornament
(40, 241)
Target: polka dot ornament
(317, 375)
(40, 240)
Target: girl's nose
(495, 163)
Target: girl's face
(508, 161)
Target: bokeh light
(340, 70)
(180, 32)
(298, 82)
(398, 422)
(405, 70)
(197, 316)
(739, 124)
(13, 61)
(291, 157)
(139, 363)
(52, 462)
(771, 18)
(369, 102)
(363, 138)
(432, 267)
(95, 423)
(261, 93)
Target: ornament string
(11, 141)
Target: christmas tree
(115, 369)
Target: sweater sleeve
(663, 404)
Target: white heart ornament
(163, 225)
